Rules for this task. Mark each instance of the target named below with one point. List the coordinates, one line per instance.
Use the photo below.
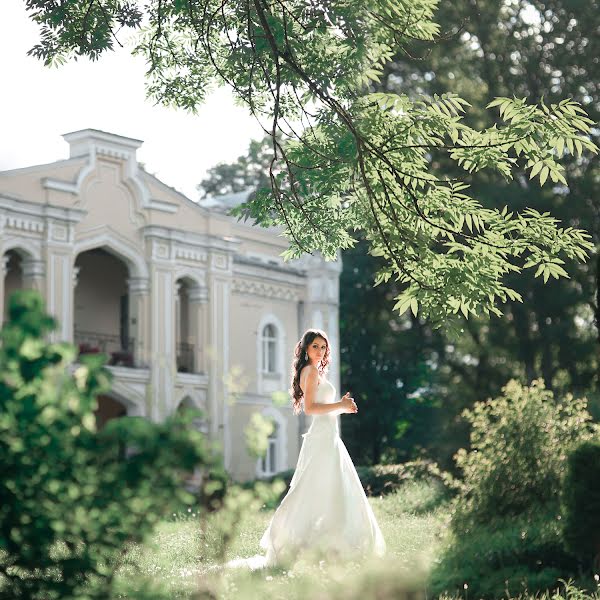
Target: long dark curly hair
(300, 361)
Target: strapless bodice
(325, 392)
(328, 422)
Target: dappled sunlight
(182, 554)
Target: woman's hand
(348, 404)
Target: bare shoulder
(309, 371)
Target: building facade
(192, 307)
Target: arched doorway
(13, 277)
(108, 408)
(101, 307)
(184, 338)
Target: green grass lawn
(179, 561)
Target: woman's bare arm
(311, 384)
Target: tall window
(269, 349)
(269, 460)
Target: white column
(162, 355)
(138, 290)
(177, 299)
(198, 304)
(60, 263)
(33, 274)
(3, 271)
(322, 307)
(60, 291)
(219, 286)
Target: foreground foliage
(72, 497)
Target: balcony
(119, 350)
(185, 358)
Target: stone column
(219, 286)
(3, 270)
(198, 305)
(177, 299)
(60, 285)
(60, 264)
(162, 349)
(321, 308)
(33, 274)
(138, 291)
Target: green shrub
(506, 521)
(519, 444)
(581, 503)
(71, 497)
(380, 480)
(524, 552)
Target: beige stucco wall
(244, 465)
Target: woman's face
(316, 350)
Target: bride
(325, 508)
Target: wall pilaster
(219, 290)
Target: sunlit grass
(181, 559)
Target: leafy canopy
(345, 159)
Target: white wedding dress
(325, 506)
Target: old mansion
(192, 306)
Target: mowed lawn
(179, 560)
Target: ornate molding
(219, 261)
(266, 290)
(24, 223)
(160, 251)
(192, 254)
(138, 285)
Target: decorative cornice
(272, 264)
(92, 144)
(266, 290)
(268, 273)
(23, 223)
(23, 214)
(191, 254)
(190, 239)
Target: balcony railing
(185, 358)
(119, 350)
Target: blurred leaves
(72, 497)
(257, 434)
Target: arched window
(270, 354)
(270, 461)
(269, 349)
(275, 459)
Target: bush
(379, 480)
(519, 445)
(71, 497)
(523, 553)
(506, 519)
(581, 503)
